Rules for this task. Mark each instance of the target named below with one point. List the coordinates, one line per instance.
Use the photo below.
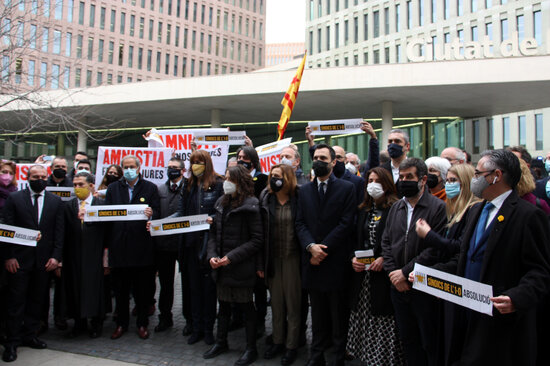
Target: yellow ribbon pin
(142, 199)
(500, 218)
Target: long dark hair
(252, 154)
(245, 186)
(390, 192)
(119, 172)
(209, 176)
(289, 178)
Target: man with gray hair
(505, 245)
(437, 174)
(454, 155)
(131, 248)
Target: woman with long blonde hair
(459, 200)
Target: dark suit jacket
(130, 245)
(359, 184)
(540, 190)
(329, 223)
(19, 211)
(517, 264)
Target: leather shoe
(35, 343)
(273, 350)
(289, 357)
(195, 337)
(163, 325)
(143, 333)
(10, 354)
(217, 349)
(119, 331)
(187, 330)
(249, 355)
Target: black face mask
(276, 184)
(174, 173)
(320, 168)
(339, 169)
(38, 185)
(59, 173)
(246, 164)
(395, 151)
(111, 179)
(433, 180)
(408, 188)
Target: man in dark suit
(28, 267)
(324, 222)
(341, 172)
(82, 271)
(59, 177)
(131, 248)
(505, 245)
(398, 147)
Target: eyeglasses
(477, 173)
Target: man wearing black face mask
(341, 172)
(59, 177)
(326, 210)
(398, 146)
(28, 267)
(167, 247)
(402, 248)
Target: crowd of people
(296, 242)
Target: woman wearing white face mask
(235, 254)
(372, 336)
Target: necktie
(174, 187)
(82, 205)
(322, 191)
(35, 206)
(482, 222)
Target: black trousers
(250, 321)
(416, 315)
(59, 299)
(202, 291)
(138, 279)
(329, 324)
(25, 303)
(165, 262)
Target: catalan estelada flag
(290, 99)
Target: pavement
(168, 348)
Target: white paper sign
(179, 225)
(336, 127)
(18, 235)
(207, 137)
(115, 213)
(459, 290)
(365, 256)
(180, 141)
(65, 193)
(270, 154)
(153, 161)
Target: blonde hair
(526, 183)
(457, 206)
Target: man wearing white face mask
(131, 248)
(291, 156)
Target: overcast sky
(285, 21)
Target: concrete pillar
(387, 122)
(21, 150)
(82, 143)
(215, 118)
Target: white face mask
(352, 169)
(229, 187)
(375, 190)
(287, 161)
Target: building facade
(278, 53)
(72, 43)
(359, 32)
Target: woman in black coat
(282, 261)
(372, 336)
(235, 254)
(201, 192)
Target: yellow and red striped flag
(290, 99)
